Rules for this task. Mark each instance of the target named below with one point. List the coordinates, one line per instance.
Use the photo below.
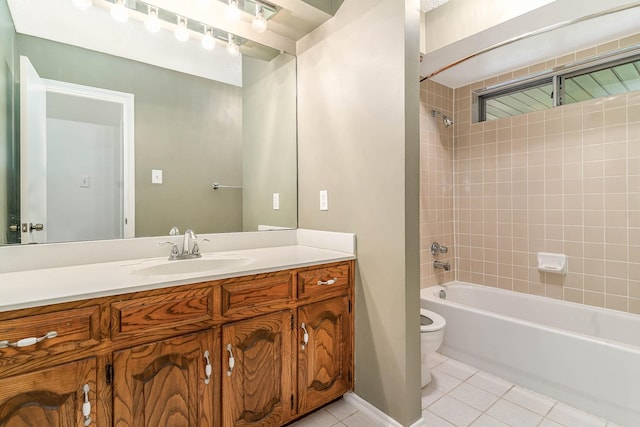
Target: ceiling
(530, 50)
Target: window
(607, 81)
(610, 74)
(522, 100)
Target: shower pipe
(532, 34)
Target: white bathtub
(584, 356)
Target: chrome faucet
(189, 235)
(190, 248)
(437, 248)
(443, 265)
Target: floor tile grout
(355, 418)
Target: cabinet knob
(232, 360)
(305, 338)
(25, 342)
(207, 368)
(86, 405)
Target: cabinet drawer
(257, 295)
(46, 335)
(168, 311)
(323, 281)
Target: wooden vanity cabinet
(324, 352)
(230, 352)
(257, 371)
(50, 397)
(166, 383)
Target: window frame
(556, 76)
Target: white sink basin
(186, 266)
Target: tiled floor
(460, 395)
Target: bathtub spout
(443, 265)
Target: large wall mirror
(134, 143)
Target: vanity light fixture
(182, 32)
(119, 11)
(152, 22)
(233, 11)
(82, 4)
(259, 22)
(156, 18)
(208, 42)
(232, 47)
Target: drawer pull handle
(86, 405)
(207, 368)
(305, 338)
(232, 360)
(328, 282)
(26, 342)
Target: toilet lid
(425, 321)
(430, 321)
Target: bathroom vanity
(243, 349)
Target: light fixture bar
(170, 17)
(249, 6)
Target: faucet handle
(437, 248)
(174, 249)
(196, 247)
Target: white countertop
(62, 284)
(39, 275)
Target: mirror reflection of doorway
(76, 162)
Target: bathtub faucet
(443, 265)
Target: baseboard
(374, 413)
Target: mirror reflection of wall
(186, 126)
(269, 159)
(195, 130)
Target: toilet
(431, 336)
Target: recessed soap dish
(552, 263)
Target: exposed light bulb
(208, 41)
(233, 11)
(233, 48)
(82, 4)
(182, 33)
(152, 22)
(259, 22)
(119, 11)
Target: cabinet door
(50, 397)
(257, 370)
(324, 356)
(166, 383)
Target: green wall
(269, 159)
(189, 127)
(358, 138)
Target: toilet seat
(437, 324)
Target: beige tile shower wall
(436, 182)
(564, 180)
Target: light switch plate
(156, 176)
(324, 200)
(85, 181)
(276, 201)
